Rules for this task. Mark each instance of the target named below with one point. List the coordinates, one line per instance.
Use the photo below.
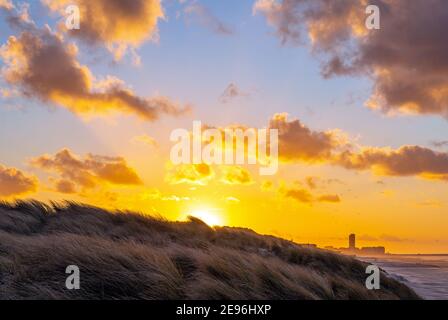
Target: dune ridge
(128, 255)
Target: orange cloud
(406, 58)
(235, 175)
(334, 198)
(14, 182)
(43, 67)
(305, 196)
(312, 182)
(65, 186)
(267, 185)
(299, 143)
(119, 25)
(207, 19)
(145, 139)
(300, 195)
(231, 199)
(6, 4)
(86, 172)
(199, 174)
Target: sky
(86, 114)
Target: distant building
(373, 250)
(352, 241)
(352, 250)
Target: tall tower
(352, 241)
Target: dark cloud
(231, 92)
(406, 58)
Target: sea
(426, 274)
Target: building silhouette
(364, 251)
(352, 241)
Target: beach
(426, 274)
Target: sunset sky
(86, 114)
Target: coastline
(426, 274)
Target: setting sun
(212, 219)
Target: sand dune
(123, 255)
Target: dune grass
(125, 255)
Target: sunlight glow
(212, 219)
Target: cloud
(14, 182)
(198, 174)
(405, 161)
(145, 139)
(283, 16)
(334, 198)
(6, 4)
(300, 195)
(303, 195)
(43, 67)
(86, 172)
(440, 144)
(406, 58)
(205, 17)
(267, 185)
(299, 143)
(65, 186)
(119, 25)
(235, 175)
(17, 16)
(312, 182)
(231, 92)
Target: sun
(212, 219)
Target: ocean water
(426, 274)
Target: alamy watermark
(373, 20)
(226, 146)
(373, 280)
(73, 280)
(73, 18)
